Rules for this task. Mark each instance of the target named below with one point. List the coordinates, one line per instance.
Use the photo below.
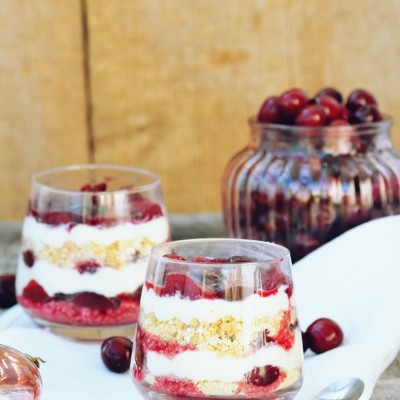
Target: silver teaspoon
(343, 389)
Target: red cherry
(263, 376)
(358, 98)
(7, 291)
(323, 335)
(345, 113)
(89, 267)
(29, 258)
(268, 112)
(290, 103)
(365, 114)
(116, 353)
(332, 92)
(95, 301)
(331, 107)
(312, 115)
(34, 292)
(186, 287)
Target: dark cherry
(87, 267)
(358, 98)
(365, 114)
(263, 376)
(29, 258)
(116, 353)
(7, 291)
(323, 335)
(332, 107)
(312, 115)
(290, 103)
(332, 92)
(95, 301)
(304, 338)
(34, 292)
(269, 112)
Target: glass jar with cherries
(314, 168)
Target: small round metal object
(343, 389)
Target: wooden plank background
(169, 84)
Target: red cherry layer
(177, 283)
(295, 107)
(82, 308)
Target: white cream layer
(209, 366)
(254, 306)
(106, 281)
(36, 234)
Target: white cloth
(354, 280)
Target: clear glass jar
(301, 187)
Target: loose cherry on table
(7, 291)
(116, 353)
(322, 335)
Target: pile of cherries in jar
(326, 108)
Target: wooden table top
(190, 226)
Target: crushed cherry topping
(87, 267)
(263, 376)
(186, 287)
(99, 187)
(29, 258)
(7, 291)
(94, 301)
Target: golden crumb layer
(115, 255)
(226, 336)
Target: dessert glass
(85, 242)
(303, 186)
(218, 320)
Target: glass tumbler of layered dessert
(85, 243)
(218, 320)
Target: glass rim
(285, 251)
(365, 128)
(93, 166)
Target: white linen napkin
(354, 279)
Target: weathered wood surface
(191, 226)
(42, 96)
(169, 84)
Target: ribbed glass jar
(301, 187)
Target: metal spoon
(343, 389)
